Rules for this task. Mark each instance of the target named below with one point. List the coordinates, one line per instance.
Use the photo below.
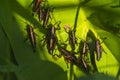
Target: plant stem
(76, 18)
(77, 12)
(71, 72)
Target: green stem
(71, 72)
(77, 12)
(75, 25)
(76, 18)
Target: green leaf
(101, 17)
(98, 76)
(36, 68)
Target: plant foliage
(90, 18)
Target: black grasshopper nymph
(51, 38)
(69, 56)
(98, 49)
(32, 36)
(46, 16)
(72, 38)
(83, 51)
(36, 5)
(40, 13)
(84, 63)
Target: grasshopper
(36, 5)
(43, 12)
(40, 13)
(46, 16)
(68, 56)
(98, 49)
(31, 35)
(72, 38)
(51, 38)
(84, 48)
(83, 51)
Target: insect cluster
(78, 58)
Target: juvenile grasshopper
(51, 38)
(83, 52)
(40, 13)
(72, 38)
(98, 49)
(36, 5)
(46, 16)
(84, 48)
(31, 35)
(43, 11)
(68, 56)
